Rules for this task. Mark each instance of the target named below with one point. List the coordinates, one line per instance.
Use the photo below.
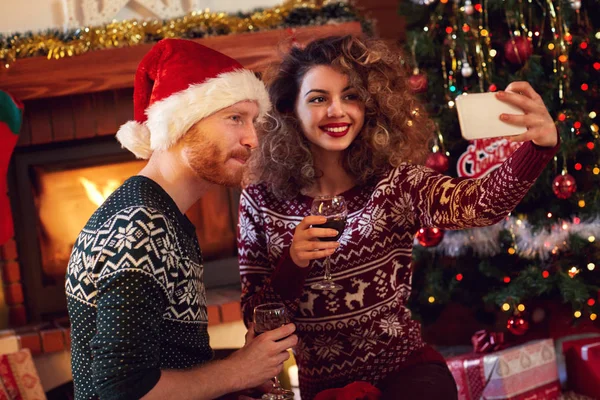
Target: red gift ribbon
(487, 342)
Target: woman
(345, 123)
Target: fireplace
(55, 188)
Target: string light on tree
(577, 314)
(574, 271)
(591, 266)
(591, 302)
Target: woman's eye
(353, 96)
(236, 118)
(319, 99)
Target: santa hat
(178, 83)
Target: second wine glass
(268, 317)
(335, 210)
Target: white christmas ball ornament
(466, 70)
(469, 7)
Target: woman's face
(329, 109)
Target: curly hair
(395, 130)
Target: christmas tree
(549, 248)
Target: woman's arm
(458, 203)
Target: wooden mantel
(96, 71)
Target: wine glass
(266, 318)
(334, 208)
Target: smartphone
(479, 116)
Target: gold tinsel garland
(57, 45)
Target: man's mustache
(242, 153)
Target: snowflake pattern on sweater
(135, 295)
(364, 331)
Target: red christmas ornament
(417, 82)
(518, 50)
(429, 237)
(437, 162)
(517, 325)
(564, 186)
(493, 87)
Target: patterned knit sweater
(365, 331)
(135, 295)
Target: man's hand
(262, 357)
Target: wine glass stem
(327, 269)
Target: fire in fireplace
(65, 198)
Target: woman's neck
(334, 180)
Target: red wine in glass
(334, 208)
(336, 223)
(268, 317)
(260, 328)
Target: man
(134, 281)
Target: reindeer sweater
(365, 331)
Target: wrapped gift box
(582, 359)
(528, 371)
(19, 379)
